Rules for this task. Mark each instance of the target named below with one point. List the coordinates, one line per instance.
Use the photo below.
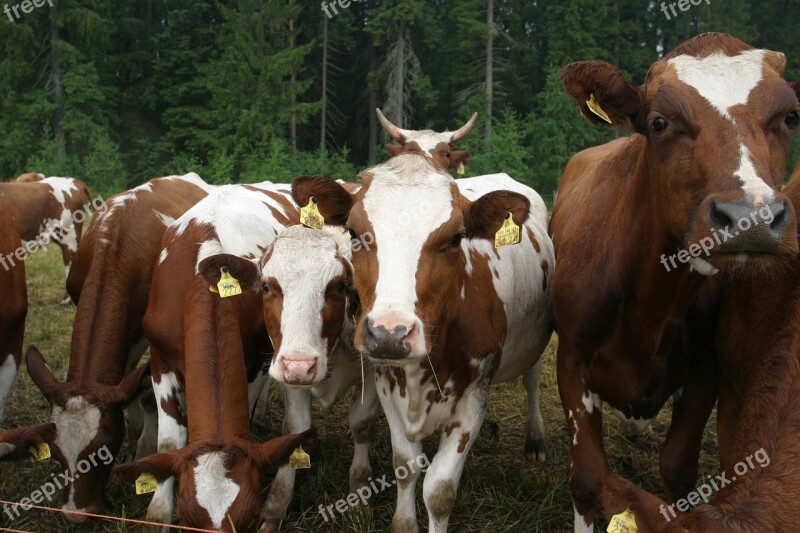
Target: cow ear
(15, 443)
(393, 149)
(599, 88)
(129, 387)
(276, 452)
(160, 465)
(40, 374)
(245, 271)
(333, 201)
(483, 217)
(459, 157)
(619, 495)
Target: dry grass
(499, 490)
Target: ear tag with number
(228, 285)
(461, 168)
(299, 459)
(595, 108)
(146, 483)
(508, 233)
(310, 216)
(40, 452)
(624, 522)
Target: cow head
(220, 485)
(305, 277)
(716, 119)
(439, 147)
(90, 428)
(410, 278)
(15, 444)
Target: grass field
(499, 491)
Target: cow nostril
(718, 217)
(779, 217)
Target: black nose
(387, 344)
(745, 228)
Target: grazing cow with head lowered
(439, 147)
(50, 209)
(444, 313)
(639, 225)
(306, 278)
(110, 284)
(13, 307)
(758, 349)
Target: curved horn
(394, 132)
(461, 132)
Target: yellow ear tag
(299, 459)
(508, 233)
(146, 483)
(40, 452)
(461, 168)
(624, 522)
(595, 108)
(310, 216)
(228, 285)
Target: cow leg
(297, 418)
(68, 242)
(362, 421)
(258, 396)
(680, 454)
(172, 435)
(8, 373)
(534, 429)
(148, 440)
(136, 413)
(403, 453)
(583, 410)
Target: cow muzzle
(748, 228)
(298, 369)
(390, 337)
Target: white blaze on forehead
(407, 200)
(77, 424)
(427, 140)
(303, 262)
(61, 187)
(215, 491)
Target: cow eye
(447, 155)
(658, 125)
(342, 287)
(353, 234)
(792, 120)
(265, 287)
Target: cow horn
(394, 132)
(461, 132)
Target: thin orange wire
(104, 517)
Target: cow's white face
(306, 279)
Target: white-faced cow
(110, 283)
(13, 308)
(444, 313)
(306, 277)
(52, 209)
(639, 225)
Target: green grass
(499, 491)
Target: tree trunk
(400, 75)
(323, 125)
(56, 82)
(292, 81)
(487, 135)
(373, 104)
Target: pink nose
(299, 369)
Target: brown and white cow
(15, 444)
(713, 124)
(13, 307)
(110, 284)
(50, 209)
(306, 278)
(444, 313)
(439, 147)
(758, 415)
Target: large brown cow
(50, 209)
(13, 308)
(642, 221)
(758, 416)
(110, 283)
(444, 313)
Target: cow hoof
(535, 450)
(270, 526)
(405, 525)
(358, 479)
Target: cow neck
(103, 333)
(215, 375)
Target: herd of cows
(417, 292)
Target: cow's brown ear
(129, 387)
(602, 92)
(484, 216)
(15, 443)
(459, 157)
(277, 451)
(40, 374)
(245, 271)
(333, 201)
(160, 465)
(393, 149)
